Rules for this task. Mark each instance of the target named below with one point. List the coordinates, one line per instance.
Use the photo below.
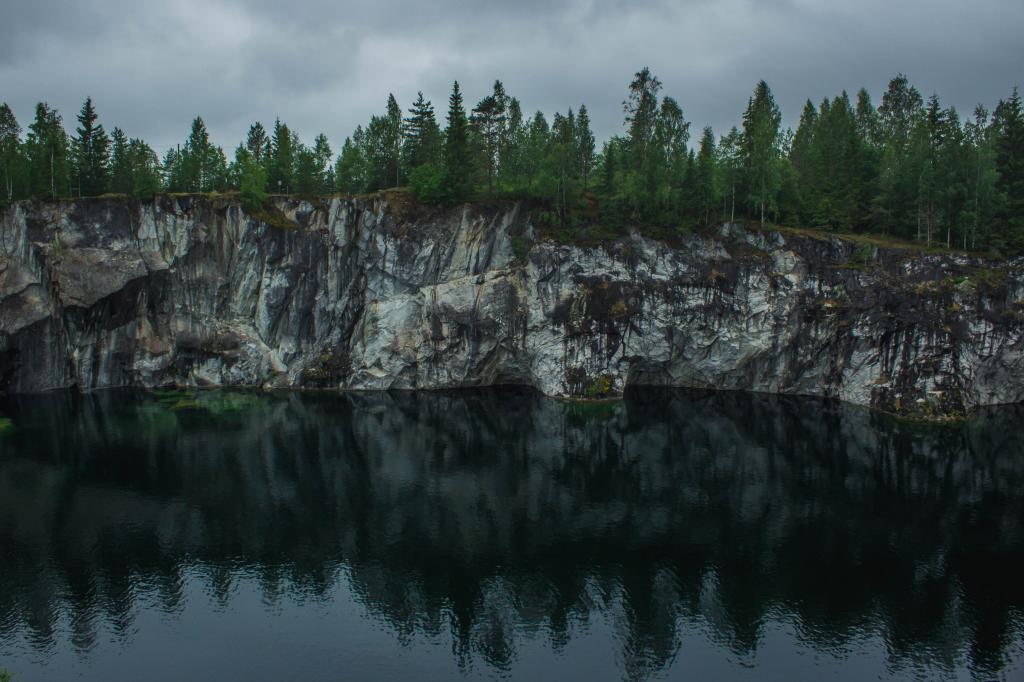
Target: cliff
(376, 294)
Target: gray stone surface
(369, 294)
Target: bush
(252, 185)
(427, 183)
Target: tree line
(910, 168)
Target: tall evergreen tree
(760, 144)
(257, 143)
(350, 168)
(1008, 125)
(705, 197)
(899, 114)
(92, 152)
(120, 165)
(457, 158)
(488, 119)
(422, 136)
(280, 169)
(47, 151)
(584, 146)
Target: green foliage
(47, 151)
(13, 164)
(92, 153)
(252, 181)
(427, 183)
(599, 387)
(908, 169)
(458, 164)
(281, 164)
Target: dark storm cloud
(324, 65)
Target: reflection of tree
(496, 515)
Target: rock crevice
(361, 294)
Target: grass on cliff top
(881, 241)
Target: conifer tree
(281, 167)
(257, 143)
(584, 146)
(92, 153)
(704, 185)
(120, 164)
(488, 119)
(457, 159)
(47, 147)
(1008, 125)
(760, 144)
(422, 136)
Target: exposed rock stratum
(370, 294)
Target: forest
(909, 168)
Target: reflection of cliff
(488, 512)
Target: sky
(327, 65)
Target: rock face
(377, 294)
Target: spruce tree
(257, 143)
(899, 114)
(47, 147)
(422, 137)
(92, 152)
(705, 197)
(282, 160)
(584, 146)
(457, 161)
(120, 164)
(760, 144)
(1008, 124)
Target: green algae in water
(218, 403)
(6, 425)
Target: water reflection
(500, 518)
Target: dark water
(436, 536)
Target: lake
(500, 534)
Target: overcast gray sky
(327, 65)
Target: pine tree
(350, 168)
(322, 157)
(584, 146)
(144, 169)
(47, 151)
(92, 153)
(705, 196)
(510, 154)
(281, 166)
(801, 155)
(1008, 125)
(120, 164)
(257, 143)
(981, 179)
(488, 119)
(422, 136)
(760, 144)
(203, 167)
(457, 159)
(901, 110)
